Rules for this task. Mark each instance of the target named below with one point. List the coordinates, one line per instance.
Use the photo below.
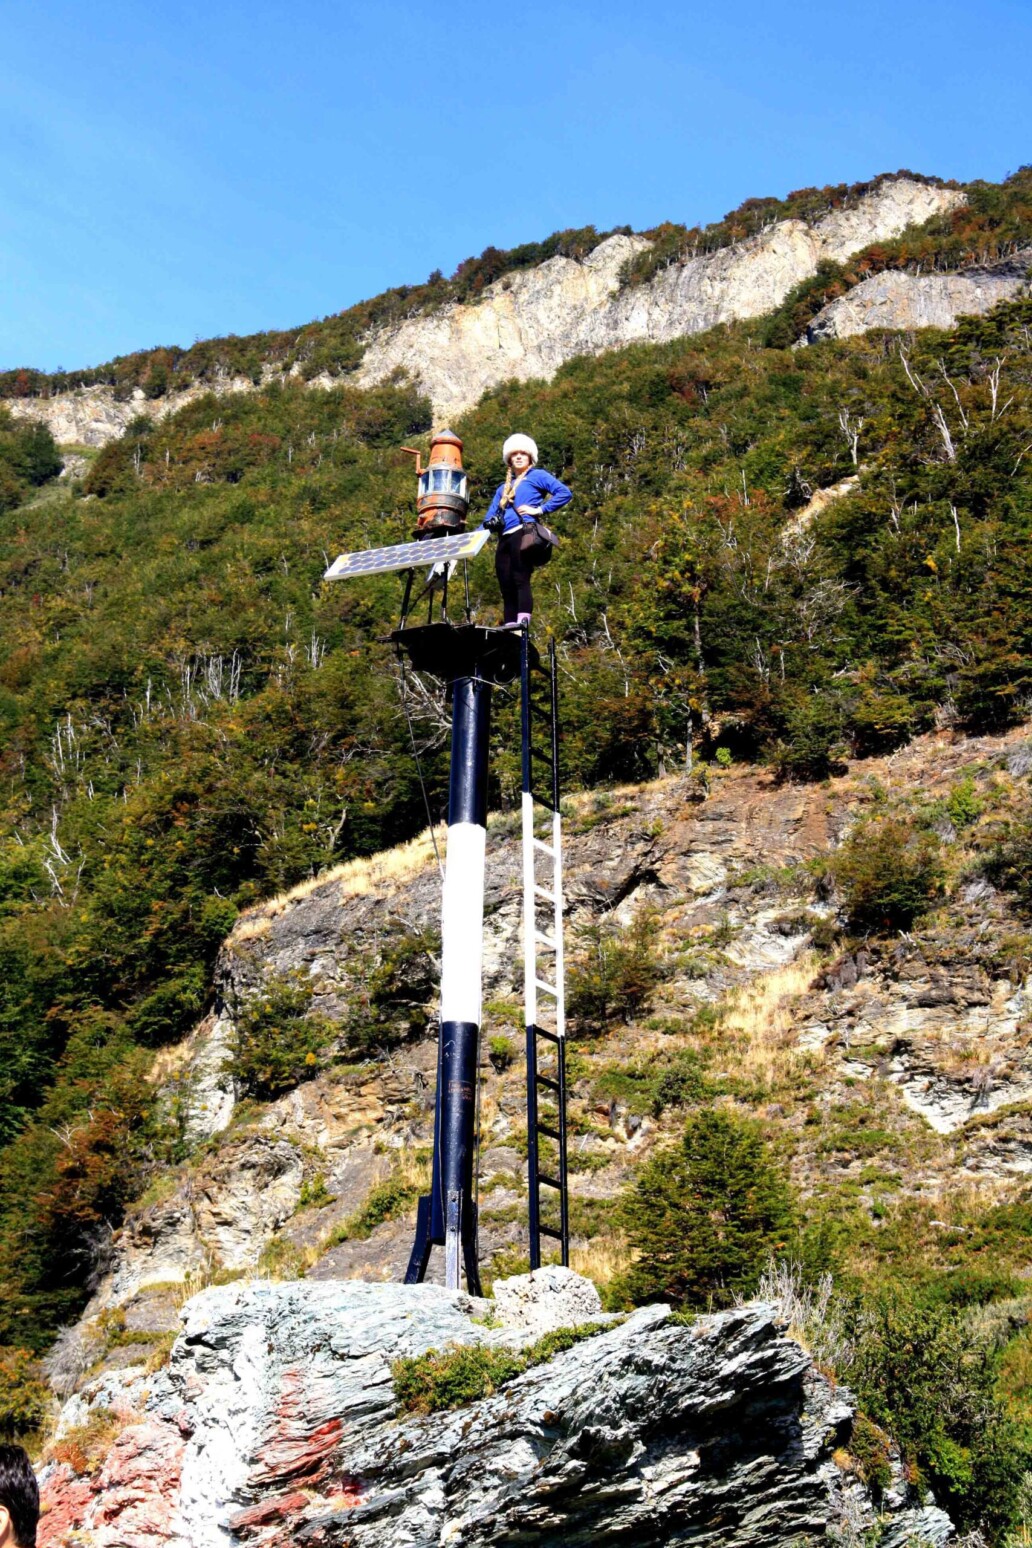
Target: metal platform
(453, 651)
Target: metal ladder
(544, 986)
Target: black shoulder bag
(538, 540)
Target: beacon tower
(473, 661)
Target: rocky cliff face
(530, 322)
(93, 416)
(900, 1068)
(931, 1029)
(276, 1422)
(901, 301)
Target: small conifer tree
(705, 1215)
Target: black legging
(513, 568)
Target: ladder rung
(543, 892)
(547, 988)
(540, 844)
(549, 1133)
(549, 1181)
(550, 1037)
(546, 1080)
(541, 757)
(546, 940)
(542, 801)
(551, 1231)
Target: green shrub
(392, 995)
(924, 1376)
(879, 721)
(705, 1215)
(24, 1395)
(28, 458)
(314, 1193)
(386, 1201)
(870, 1447)
(616, 974)
(276, 1039)
(964, 805)
(502, 1052)
(1008, 862)
(653, 1086)
(889, 873)
(451, 1378)
(171, 1009)
(813, 744)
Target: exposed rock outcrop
(93, 416)
(530, 322)
(898, 300)
(277, 1423)
(932, 1033)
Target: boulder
(277, 1422)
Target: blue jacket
(536, 488)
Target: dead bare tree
(956, 524)
(956, 395)
(851, 429)
(936, 409)
(613, 646)
(944, 431)
(993, 380)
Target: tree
(705, 1215)
(889, 872)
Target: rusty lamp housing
(442, 501)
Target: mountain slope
(892, 1073)
(190, 722)
(797, 558)
(524, 323)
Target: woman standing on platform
(528, 492)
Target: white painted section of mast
(529, 913)
(462, 923)
(557, 928)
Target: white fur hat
(521, 443)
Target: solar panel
(408, 556)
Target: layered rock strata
(276, 1423)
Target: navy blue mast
(472, 660)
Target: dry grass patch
(602, 1260)
(211, 1273)
(759, 1023)
(85, 1447)
(370, 873)
(356, 878)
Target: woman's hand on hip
(528, 510)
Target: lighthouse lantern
(442, 500)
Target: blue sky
(173, 172)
